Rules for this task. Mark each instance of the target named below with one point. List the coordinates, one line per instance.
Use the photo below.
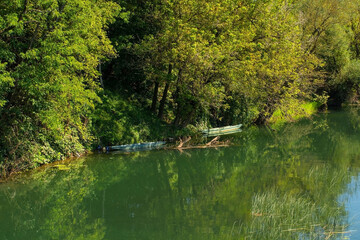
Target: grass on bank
(294, 112)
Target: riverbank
(296, 112)
(118, 121)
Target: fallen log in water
(214, 143)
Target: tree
(49, 58)
(222, 53)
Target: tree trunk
(189, 115)
(357, 50)
(176, 100)
(177, 115)
(155, 95)
(164, 97)
(101, 76)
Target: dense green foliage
(50, 50)
(174, 64)
(223, 61)
(117, 120)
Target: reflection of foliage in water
(53, 201)
(223, 193)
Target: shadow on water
(286, 183)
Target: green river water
(297, 181)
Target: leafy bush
(347, 82)
(117, 120)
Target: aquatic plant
(292, 216)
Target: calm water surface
(298, 181)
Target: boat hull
(212, 132)
(138, 146)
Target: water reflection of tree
(203, 193)
(313, 166)
(49, 204)
(248, 190)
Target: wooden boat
(212, 132)
(137, 146)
